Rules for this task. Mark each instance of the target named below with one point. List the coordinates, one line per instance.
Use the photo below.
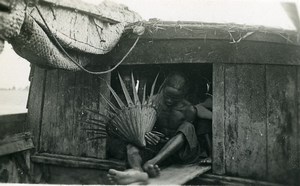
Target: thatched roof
(234, 33)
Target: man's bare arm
(203, 112)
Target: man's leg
(172, 146)
(134, 158)
(132, 175)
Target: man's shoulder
(183, 105)
(187, 109)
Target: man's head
(174, 89)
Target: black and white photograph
(150, 92)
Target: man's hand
(154, 137)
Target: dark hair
(178, 81)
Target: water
(13, 101)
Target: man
(173, 138)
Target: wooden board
(231, 132)
(178, 174)
(35, 103)
(298, 111)
(173, 51)
(78, 162)
(211, 179)
(64, 132)
(12, 124)
(87, 95)
(49, 120)
(15, 143)
(282, 123)
(218, 131)
(245, 121)
(67, 94)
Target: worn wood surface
(230, 116)
(77, 162)
(35, 104)
(282, 123)
(78, 176)
(87, 95)
(245, 122)
(12, 124)
(261, 122)
(15, 143)
(298, 123)
(13, 118)
(49, 115)
(67, 94)
(173, 51)
(178, 174)
(218, 130)
(211, 179)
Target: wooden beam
(178, 174)
(172, 51)
(281, 91)
(218, 130)
(227, 180)
(36, 103)
(13, 118)
(298, 123)
(15, 143)
(245, 119)
(12, 124)
(77, 162)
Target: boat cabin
(255, 75)
(251, 72)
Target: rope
(75, 62)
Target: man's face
(172, 96)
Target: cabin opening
(199, 79)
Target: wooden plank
(87, 93)
(172, 51)
(47, 138)
(264, 53)
(12, 124)
(204, 51)
(246, 145)
(66, 94)
(231, 132)
(218, 131)
(73, 161)
(178, 174)
(65, 114)
(282, 123)
(298, 124)
(15, 143)
(36, 103)
(13, 118)
(227, 180)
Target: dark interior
(199, 78)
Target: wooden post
(218, 131)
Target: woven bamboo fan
(132, 120)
